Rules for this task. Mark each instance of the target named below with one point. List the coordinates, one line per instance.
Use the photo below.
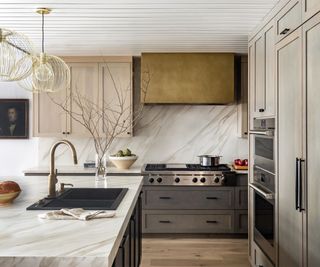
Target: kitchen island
(26, 240)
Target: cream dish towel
(76, 214)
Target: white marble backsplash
(168, 133)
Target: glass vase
(101, 167)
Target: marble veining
(168, 133)
(26, 240)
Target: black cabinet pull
(285, 31)
(63, 132)
(165, 197)
(297, 184)
(212, 198)
(261, 109)
(212, 222)
(300, 185)
(164, 222)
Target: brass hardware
(43, 10)
(53, 172)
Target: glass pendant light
(49, 73)
(16, 53)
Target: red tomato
(245, 162)
(238, 162)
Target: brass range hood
(189, 78)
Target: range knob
(216, 180)
(151, 180)
(177, 180)
(159, 179)
(195, 180)
(203, 180)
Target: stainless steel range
(187, 175)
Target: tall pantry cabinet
(311, 85)
(298, 62)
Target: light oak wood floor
(195, 251)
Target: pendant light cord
(42, 32)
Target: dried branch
(106, 120)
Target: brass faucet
(53, 172)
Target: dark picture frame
(14, 118)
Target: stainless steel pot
(209, 161)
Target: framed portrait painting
(14, 118)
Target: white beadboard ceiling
(129, 27)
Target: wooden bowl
(123, 163)
(7, 198)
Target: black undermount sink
(86, 198)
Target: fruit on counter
(238, 162)
(245, 162)
(9, 187)
(124, 153)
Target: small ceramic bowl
(123, 163)
(7, 198)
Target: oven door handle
(266, 195)
(266, 133)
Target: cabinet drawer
(289, 19)
(188, 223)
(189, 199)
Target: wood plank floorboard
(194, 251)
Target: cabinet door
(251, 79)
(289, 80)
(116, 88)
(85, 92)
(310, 8)
(49, 118)
(288, 19)
(270, 103)
(259, 75)
(312, 68)
(263, 70)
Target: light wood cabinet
(84, 83)
(116, 89)
(96, 79)
(261, 77)
(290, 133)
(288, 19)
(311, 48)
(48, 118)
(310, 8)
(242, 107)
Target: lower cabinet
(130, 250)
(195, 209)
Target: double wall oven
(263, 185)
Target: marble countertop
(26, 240)
(81, 169)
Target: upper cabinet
(288, 19)
(116, 90)
(84, 85)
(104, 82)
(261, 74)
(310, 8)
